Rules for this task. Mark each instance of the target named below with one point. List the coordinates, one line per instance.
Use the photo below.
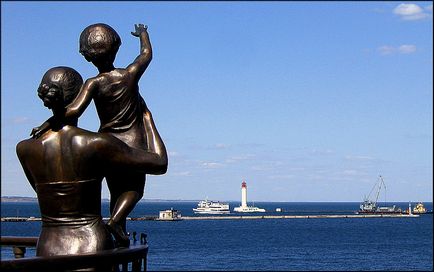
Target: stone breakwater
(239, 217)
(298, 216)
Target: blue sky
(306, 101)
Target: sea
(313, 244)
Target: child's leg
(124, 205)
(124, 197)
(117, 223)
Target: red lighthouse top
(244, 185)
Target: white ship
(244, 208)
(211, 207)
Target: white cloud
(20, 120)
(182, 174)
(235, 159)
(173, 154)
(407, 48)
(212, 165)
(218, 146)
(322, 152)
(352, 158)
(281, 177)
(402, 49)
(350, 172)
(221, 146)
(386, 50)
(407, 9)
(410, 12)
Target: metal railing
(132, 258)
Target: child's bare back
(119, 106)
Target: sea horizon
(35, 199)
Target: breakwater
(298, 216)
(240, 217)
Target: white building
(170, 215)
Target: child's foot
(122, 240)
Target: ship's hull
(211, 207)
(427, 212)
(379, 212)
(210, 211)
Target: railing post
(19, 251)
(136, 265)
(118, 259)
(144, 260)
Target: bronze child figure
(66, 165)
(121, 110)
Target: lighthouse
(244, 194)
(244, 208)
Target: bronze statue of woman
(121, 110)
(66, 165)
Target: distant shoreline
(8, 199)
(25, 199)
(18, 199)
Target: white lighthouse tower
(244, 194)
(244, 207)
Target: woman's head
(59, 86)
(99, 43)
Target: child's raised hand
(139, 29)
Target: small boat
(420, 209)
(211, 207)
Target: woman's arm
(154, 141)
(22, 149)
(115, 154)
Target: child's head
(59, 86)
(99, 43)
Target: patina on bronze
(66, 165)
(121, 110)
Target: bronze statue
(66, 165)
(121, 110)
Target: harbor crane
(370, 206)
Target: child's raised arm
(73, 110)
(138, 67)
(83, 99)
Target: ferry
(211, 207)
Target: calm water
(269, 244)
